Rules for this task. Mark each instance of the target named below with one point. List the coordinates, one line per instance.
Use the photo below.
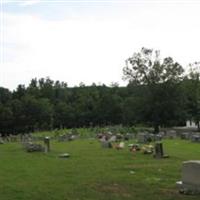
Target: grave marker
(47, 144)
(190, 183)
(159, 153)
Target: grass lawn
(92, 172)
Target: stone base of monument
(187, 188)
(158, 156)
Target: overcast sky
(88, 41)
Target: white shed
(191, 124)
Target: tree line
(158, 94)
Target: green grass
(92, 173)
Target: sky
(88, 41)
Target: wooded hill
(46, 104)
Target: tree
(159, 78)
(192, 89)
(38, 113)
(20, 92)
(63, 115)
(6, 119)
(5, 95)
(19, 117)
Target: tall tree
(160, 78)
(192, 89)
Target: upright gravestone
(142, 137)
(158, 137)
(158, 150)
(159, 153)
(1, 140)
(171, 134)
(190, 183)
(195, 138)
(47, 144)
(113, 138)
(185, 135)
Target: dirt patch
(170, 192)
(113, 188)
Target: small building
(191, 124)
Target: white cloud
(29, 2)
(71, 50)
(93, 49)
(21, 2)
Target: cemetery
(102, 166)
(89, 110)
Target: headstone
(25, 138)
(171, 134)
(158, 137)
(13, 138)
(1, 140)
(47, 144)
(190, 183)
(142, 137)
(159, 150)
(159, 153)
(154, 137)
(71, 137)
(113, 138)
(162, 133)
(105, 143)
(33, 147)
(195, 138)
(185, 136)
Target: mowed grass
(93, 172)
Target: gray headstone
(158, 150)
(142, 137)
(195, 138)
(159, 153)
(33, 147)
(158, 137)
(47, 144)
(1, 140)
(113, 138)
(190, 183)
(171, 134)
(185, 135)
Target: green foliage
(158, 100)
(192, 93)
(156, 96)
(47, 105)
